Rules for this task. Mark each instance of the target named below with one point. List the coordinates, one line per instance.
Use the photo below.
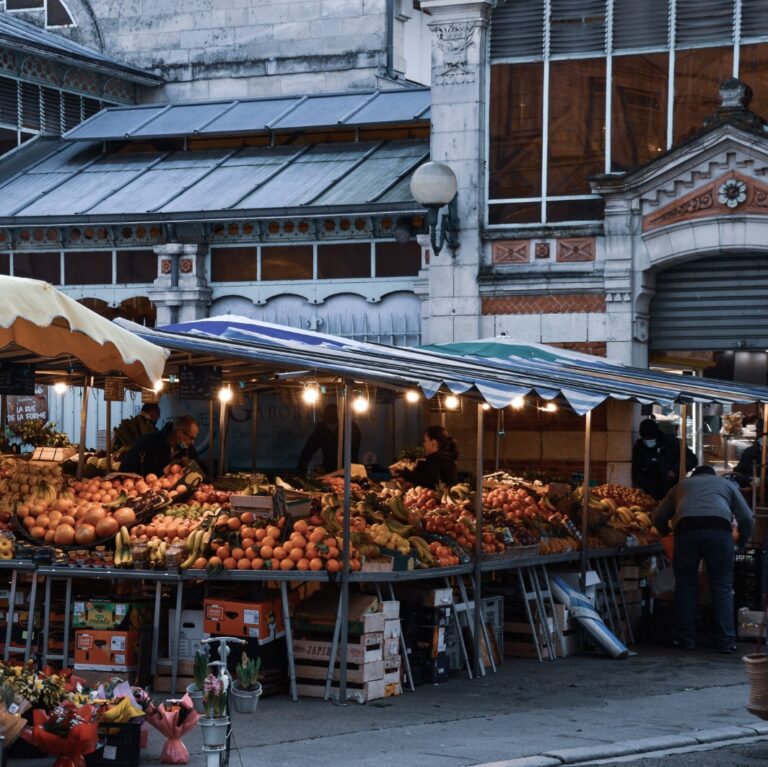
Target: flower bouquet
(173, 719)
(69, 733)
(12, 706)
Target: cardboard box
(106, 650)
(55, 454)
(391, 629)
(191, 633)
(255, 620)
(318, 613)
(390, 609)
(108, 615)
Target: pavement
(571, 711)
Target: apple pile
(209, 494)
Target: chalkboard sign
(198, 382)
(32, 408)
(114, 389)
(17, 379)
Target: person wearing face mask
(174, 443)
(439, 462)
(656, 460)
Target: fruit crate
(749, 571)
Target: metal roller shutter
(716, 303)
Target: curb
(581, 754)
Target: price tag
(110, 753)
(13, 708)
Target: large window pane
(88, 267)
(516, 130)
(341, 261)
(5, 263)
(639, 125)
(289, 262)
(575, 210)
(38, 266)
(515, 213)
(233, 264)
(754, 72)
(136, 266)
(576, 125)
(698, 74)
(394, 259)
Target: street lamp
(433, 185)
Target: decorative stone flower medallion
(732, 193)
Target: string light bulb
(60, 387)
(412, 396)
(225, 395)
(452, 402)
(311, 395)
(360, 404)
(550, 407)
(518, 403)
(159, 385)
(486, 406)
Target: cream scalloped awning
(37, 318)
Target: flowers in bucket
(40, 689)
(215, 696)
(68, 733)
(248, 673)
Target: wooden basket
(757, 675)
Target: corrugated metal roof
(71, 181)
(17, 33)
(227, 117)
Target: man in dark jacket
(325, 438)
(701, 509)
(752, 455)
(656, 460)
(151, 453)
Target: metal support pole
(176, 631)
(340, 410)
(254, 429)
(83, 420)
(498, 439)
(108, 430)
(223, 412)
(460, 631)
(11, 612)
(31, 619)
(156, 627)
(403, 646)
(763, 454)
(478, 616)
(585, 500)
(346, 532)
(211, 461)
(67, 614)
(683, 437)
(289, 640)
(46, 618)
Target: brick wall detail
(557, 303)
(511, 251)
(573, 249)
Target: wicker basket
(757, 675)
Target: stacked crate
(519, 639)
(20, 624)
(373, 659)
(633, 583)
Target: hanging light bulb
(518, 403)
(486, 406)
(311, 395)
(159, 385)
(550, 407)
(225, 394)
(60, 387)
(360, 404)
(412, 396)
(452, 402)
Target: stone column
(183, 295)
(459, 71)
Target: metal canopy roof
(83, 182)
(497, 369)
(21, 35)
(218, 118)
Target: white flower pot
(214, 730)
(197, 698)
(245, 701)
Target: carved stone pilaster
(180, 291)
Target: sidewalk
(527, 709)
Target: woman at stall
(439, 462)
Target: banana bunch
(330, 523)
(421, 548)
(398, 510)
(367, 550)
(641, 517)
(196, 545)
(384, 537)
(457, 495)
(397, 527)
(43, 492)
(123, 557)
(157, 552)
(329, 500)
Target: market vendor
(751, 456)
(439, 462)
(151, 453)
(656, 460)
(325, 438)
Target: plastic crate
(749, 571)
(119, 745)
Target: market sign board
(18, 379)
(31, 408)
(198, 382)
(114, 389)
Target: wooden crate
(365, 648)
(365, 672)
(515, 647)
(361, 693)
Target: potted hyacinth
(215, 723)
(246, 691)
(195, 690)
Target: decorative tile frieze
(575, 249)
(511, 251)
